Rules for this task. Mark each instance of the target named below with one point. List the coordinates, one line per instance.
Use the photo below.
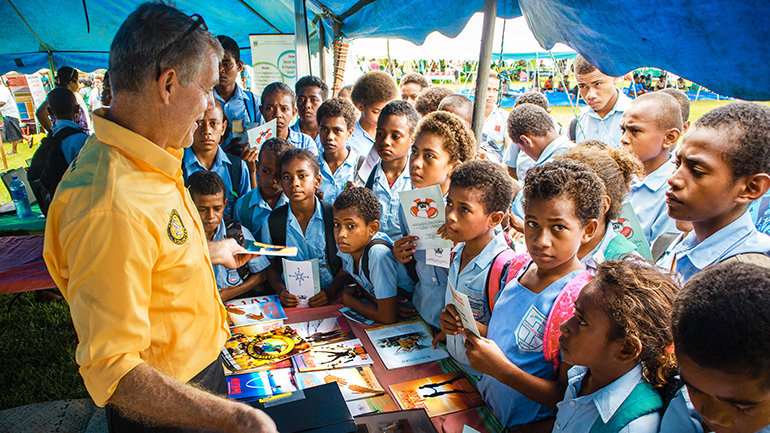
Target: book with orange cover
(439, 395)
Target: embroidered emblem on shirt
(233, 277)
(529, 334)
(175, 229)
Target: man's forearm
(154, 398)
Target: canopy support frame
(485, 64)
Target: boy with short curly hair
(311, 93)
(412, 85)
(370, 94)
(339, 163)
(429, 100)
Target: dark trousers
(211, 379)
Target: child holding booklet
(442, 142)
(479, 195)
(367, 256)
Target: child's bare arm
(487, 358)
(382, 311)
(451, 325)
(251, 282)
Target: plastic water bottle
(20, 199)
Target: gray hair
(142, 37)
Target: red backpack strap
(505, 259)
(563, 309)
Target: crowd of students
(639, 354)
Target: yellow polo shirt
(125, 245)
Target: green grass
(17, 160)
(37, 352)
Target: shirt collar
(658, 178)
(608, 399)
(702, 254)
(620, 106)
(62, 123)
(239, 94)
(189, 159)
(381, 178)
(136, 146)
(221, 232)
(317, 215)
(360, 130)
(257, 200)
(551, 149)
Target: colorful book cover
(260, 384)
(404, 344)
(379, 404)
(246, 350)
(254, 247)
(241, 312)
(628, 225)
(349, 353)
(324, 331)
(403, 421)
(355, 383)
(439, 395)
(355, 316)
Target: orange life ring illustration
(424, 208)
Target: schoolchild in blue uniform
(206, 154)
(207, 191)
(619, 343)
(339, 163)
(530, 128)
(722, 166)
(311, 93)
(371, 92)
(367, 256)
(240, 105)
(305, 227)
(720, 326)
(278, 102)
(395, 132)
(616, 168)
(63, 106)
(252, 209)
(480, 193)
(651, 127)
(442, 142)
(563, 201)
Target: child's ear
(495, 218)
(225, 201)
(317, 181)
(240, 65)
(672, 136)
(360, 107)
(374, 227)
(294, 110)
(630, 350)
(589, 230)
(755, 186)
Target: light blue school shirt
(302, 141)
(360, 140)
(227, 278)
(592, 127)
(391, 222)
(310, 245)
(681, 417)
(577, 414)
(332, 184)
(555, 148)
(517, 326)
(252, 210)
(387, 274)
(738, 237)
(71, 145)
(244, 105)
(471, 281)
(648, 198)
(760, 213)
(316, 140)
(515, 158)
(221, 163)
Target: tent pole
(322, 50)
(485, 63)
(301, 40)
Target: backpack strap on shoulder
(758, 259)
(563, 308)
(365, 255)
(505, 264)
(370, 181)
(234, 169)
(276, 224)
(333, 260)
(642, 400)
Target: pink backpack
(563, 308)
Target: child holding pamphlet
(563, 201)
(479, 195)
(207, 191)
(367, 256)
(279, 103)
(442, 142)
(306, 223)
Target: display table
(480, 418)
(21, 264)
(10, 224)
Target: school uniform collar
(360, 130)
(551, 149)
(190, 160)
(702, 254)
(239, 94)
(256, 200)
(221, 232)
(596, 257)
(63, 123)
(380, 177)
(621, 105)
(608, 399)
(350, 161)
(317, 215)
(484, 259)
(658, 178)
(295, 126)
(295, 136)
(137, 147)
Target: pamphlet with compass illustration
(350, 353)
(302, 279)
(246, 350)
(258, 309)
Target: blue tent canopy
(718, 46)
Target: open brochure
(404, 344)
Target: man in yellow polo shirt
(125, 244)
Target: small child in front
(367, 256)
(720, 327)
(207, 191)
(480, 193)
(722, 166)
(562, 202)
(651, 127)
(618, 341)
(339, 163)
(279, 102)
